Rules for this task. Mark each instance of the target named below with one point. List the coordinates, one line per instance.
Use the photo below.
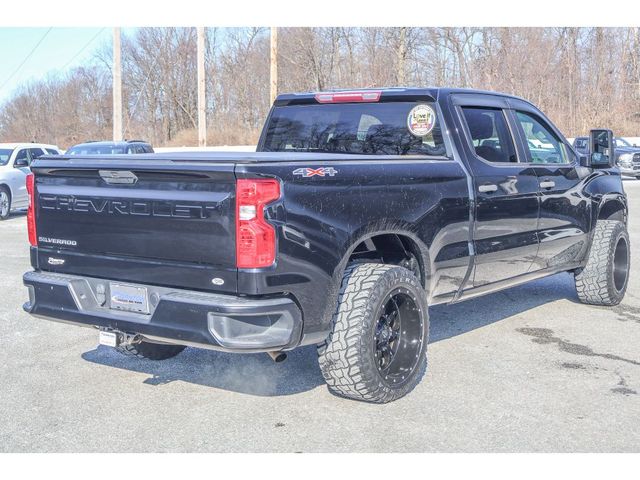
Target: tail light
(349, 97)
(31, 212)
(255, 238)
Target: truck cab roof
(390, 93)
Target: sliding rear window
(352, 128)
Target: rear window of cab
(581, 143)
(386, 128)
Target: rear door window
(490, 135)
(353, 128)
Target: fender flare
(362, 234)
(609, 199)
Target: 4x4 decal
(312, 172)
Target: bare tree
(582, 77)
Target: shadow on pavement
(16, 215)
(447, 321)
(257, 374)
(253, 374)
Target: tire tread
(341, 360)
(594, 283)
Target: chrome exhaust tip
(277, 357)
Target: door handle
(547, 184)
(488, 188)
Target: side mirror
(602, 149)
(21, 162)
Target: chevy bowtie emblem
(118, 177)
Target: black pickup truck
(359, 210)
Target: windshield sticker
(421, 120)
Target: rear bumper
(220, 322)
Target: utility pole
(202, 91)
(117, 87)
(274, 64)
(402, 55)
(636, 44)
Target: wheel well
(4, 186)
(613, 210)
(393, 249)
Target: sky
(61, 49)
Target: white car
(15, 159)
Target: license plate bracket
(109, 339)
(130, 298)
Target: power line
(26, 58)
(83, 49)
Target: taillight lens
(31, 212)
(255, 238)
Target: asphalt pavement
(524, 370)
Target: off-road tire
(8, 213)
(347, 357)
(150, 351)
(603, 281)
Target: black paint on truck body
(175, 227)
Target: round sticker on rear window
(421, 120)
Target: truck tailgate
(146, 222)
